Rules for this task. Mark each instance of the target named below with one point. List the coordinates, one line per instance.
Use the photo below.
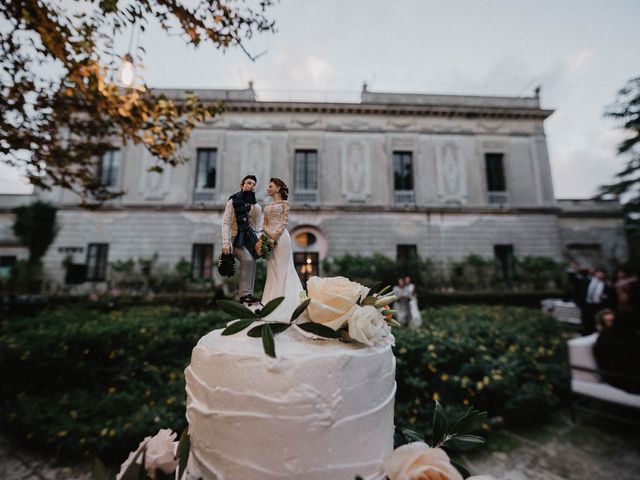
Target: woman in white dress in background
(282, 278)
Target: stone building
(440, 176)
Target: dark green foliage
(626, 110)
(473, 273)
(35, 226)
(369, 270)
(508, 361)
(26, 277)
(86, 383)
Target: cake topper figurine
(240, 224)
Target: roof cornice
(446, 111)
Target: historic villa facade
(442, 176)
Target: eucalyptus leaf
(184, 446)
(376, 288)
(277, 327)
(463, 471)
(439, 425)
(98, 470)
(384, 290)
(470, 422)
(267, 341)
(270, 307)
(135, 470)
(235, 309)
(300, 309)
(238, 326)
(320, 330)
(256, 332)
(369, 301)
(412, 436)
(462, 443)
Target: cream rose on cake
(333, 300)
(366, 324)
(418, 461)
(159, 454)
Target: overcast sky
(580, 51)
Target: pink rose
(418, 461)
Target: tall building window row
(109, 167)
(496, 181)
(97, 254)
(402, 171)
(305, 170)
(207, 163)
(202, 261)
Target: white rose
(160, 454)
(333, 300)
(366, 324)
(481, 477)
(418, 461)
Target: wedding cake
(322, 409)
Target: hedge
(81, 382)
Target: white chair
(586, 380)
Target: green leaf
(135, 470)
(320, 330)
(256, 332)
(369, 301)
(270, 307)
(412, 436)
(299, 309)
(184, 446)
(469, 422)
(463, 471)
(384, 290)
(267, 341)
(439, 425)
(376, 288)
(462, 443)
(238, 326)
(98, 470)
(235, 309)
(277, 327)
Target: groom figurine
(240, 224)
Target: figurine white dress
(282, 278)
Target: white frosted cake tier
(321, 410)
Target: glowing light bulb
(127, 71)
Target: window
(305, 170)
(305, 239)
(202, 261)
(406, 253)
(206, 168)
(97, 261)
(307, 265)
(495, 172)
(7, 262)
(504, 261)
(402, 171)
(108, 168)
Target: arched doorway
(309, 248)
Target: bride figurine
(282, 278)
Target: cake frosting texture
(321, 410)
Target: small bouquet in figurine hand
(264, 245)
